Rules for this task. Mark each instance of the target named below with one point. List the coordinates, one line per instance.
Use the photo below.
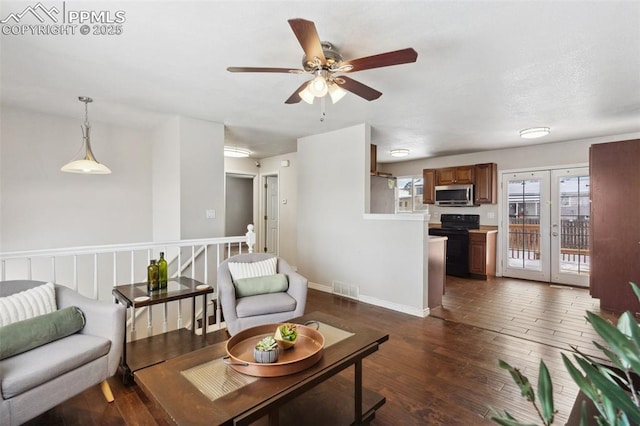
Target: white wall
(166, 181)
(383, 258)
(529, 157)
(1, 186)
(201, 178)
(45, 208)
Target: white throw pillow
(241, 270)
(28, 304)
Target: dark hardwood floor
(439, 370)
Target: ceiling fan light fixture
(534, 132)
(236, 152)
(88, 164)
(399, 152)
(306, 95)
(336, 92)
(318, 86)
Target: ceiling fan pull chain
(322, 114)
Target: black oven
(456, 228)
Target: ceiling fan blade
(397, 57)
(307, 35)
(358, 88)
(261, 69)
(295, 98)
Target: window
(410, 194)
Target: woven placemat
(215, 379)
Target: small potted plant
(266, 350)
(286, 335)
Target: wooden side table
(136, 296)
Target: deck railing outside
(524, 238)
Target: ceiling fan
(324, 62)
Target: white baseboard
(378, 302)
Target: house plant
(266, 350)
(610, 388)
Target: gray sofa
(39, 379)
(251, 311)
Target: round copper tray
(306, 352)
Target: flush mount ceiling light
(87, 164)
(236, 152)
(534, 132)
(399, 152)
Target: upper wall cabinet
(484, 177)
(454, 175)
(486, 183)
(429, 186)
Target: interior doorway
(271, 214)
(238, 203)
(547, 214)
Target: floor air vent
(346, 290)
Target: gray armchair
(41, 378)
(250, 311)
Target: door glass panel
(524, 224)
(574, 225)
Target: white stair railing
(94, 270)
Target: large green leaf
(583, 414)
(627, 324)
(618, 342)
(545, 393)
(610, 390)
(585, 386)
(521, 380)
(613, 357)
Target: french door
(546, 236)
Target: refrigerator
(383, 195)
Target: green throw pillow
(261, 285)
(25, 335)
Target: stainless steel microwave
(454, 195)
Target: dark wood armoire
(615, 224)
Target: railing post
(251, 237)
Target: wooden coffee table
(317, 395)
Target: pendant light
(88, 164)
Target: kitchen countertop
(435, 238)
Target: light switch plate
(210, 214)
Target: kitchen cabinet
(482, 253)
(486, 183)
(429, 186)
(437, 270)
(614, 225)
(454, 175)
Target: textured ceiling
(485, 70)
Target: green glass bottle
(162, 272)
(152, 276)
